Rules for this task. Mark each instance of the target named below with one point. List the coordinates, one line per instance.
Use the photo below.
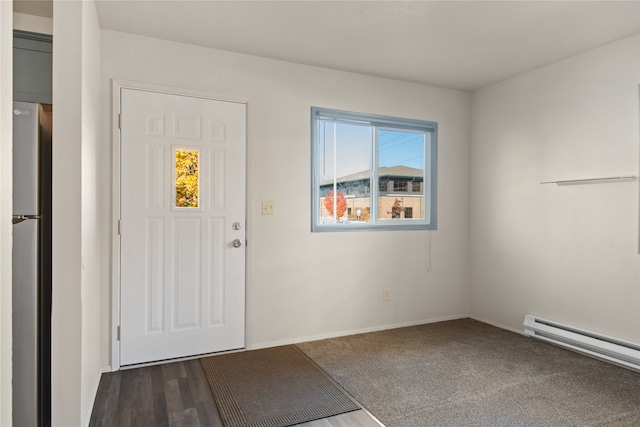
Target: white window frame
(377, 122)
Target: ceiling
(456, 44)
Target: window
(408, 212)
(372, 172)
(401, 186)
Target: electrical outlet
(268, 207)
(385, 295)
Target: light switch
(268, 207)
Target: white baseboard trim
(94, 393)
(498, 325)
(352, 332)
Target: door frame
(117, 86)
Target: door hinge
(119, 227)
(119, 121)
(118, 332)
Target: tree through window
(187, 178)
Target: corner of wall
(92, 280)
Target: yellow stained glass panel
(187, 178)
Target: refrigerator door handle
(17, 219)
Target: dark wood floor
(175, 395)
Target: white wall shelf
(605, 180)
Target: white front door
(182, 284)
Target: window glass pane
(344, 162)
(401, 163)
(187, 178)
(372, 172)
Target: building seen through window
(396, 183)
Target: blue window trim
(380, 122)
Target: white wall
(300, 284)
(76, 215)
(93, 279)
(6, 125)
(565, 253)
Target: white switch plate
(268, 207)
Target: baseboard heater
(619, 352)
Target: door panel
(182, 189)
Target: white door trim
(117, 85)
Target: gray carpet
(273, 387)
(467, 373)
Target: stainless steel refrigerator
(31, 264)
